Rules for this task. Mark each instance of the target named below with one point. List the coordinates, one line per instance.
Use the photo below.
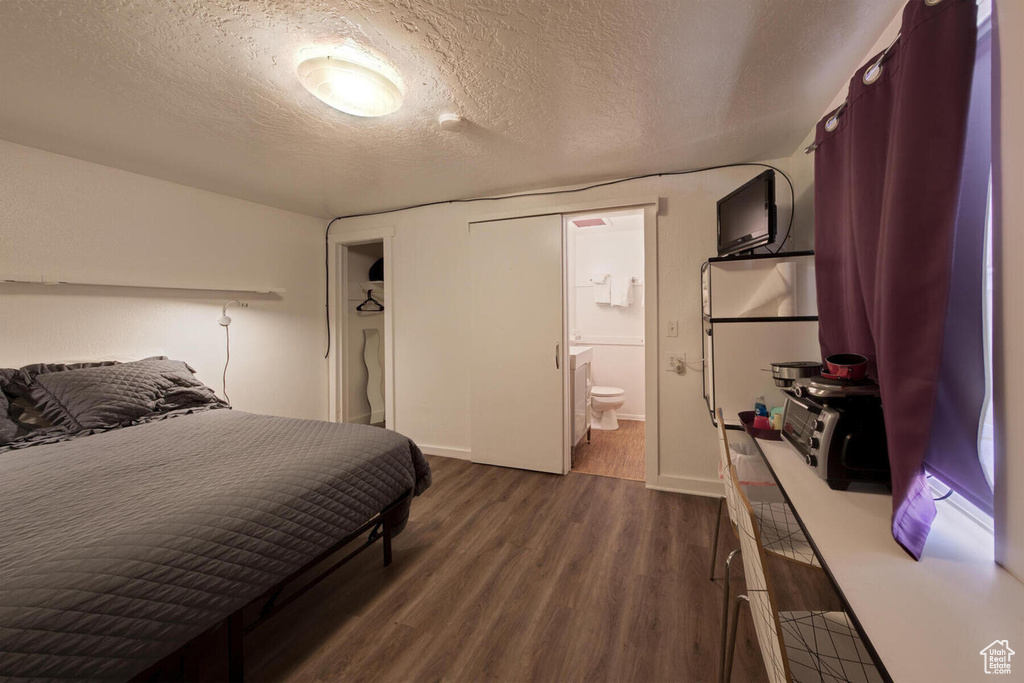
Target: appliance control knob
(817, 425)
(812, 461)
(813, 442)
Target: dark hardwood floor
(510, 575)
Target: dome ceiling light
(349, 87)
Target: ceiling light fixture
(350, 87)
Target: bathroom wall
(616, 333)
(360, 258)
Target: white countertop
(927, 620)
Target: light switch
(673, 328)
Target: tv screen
(746, 216)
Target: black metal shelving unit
(709, 320)
(758, 257)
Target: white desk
(927, 620)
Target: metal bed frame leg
(732, 636)
(389, 531)
(714, 545)
(236, 631)
(725, 614)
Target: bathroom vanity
(581, 380)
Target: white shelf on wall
(587, 340)
(637, 283)
(195, 288)
(375, 285)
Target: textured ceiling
(204, 92)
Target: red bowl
(851, 366)
(747, 418)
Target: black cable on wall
(540, 193)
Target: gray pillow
(8, 427)
(15, 382)
(115, 395)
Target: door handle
(558, 356)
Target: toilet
(604, 401)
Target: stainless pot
(785, 373)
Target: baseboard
(443, 451)
(631, 418)
(712, 488)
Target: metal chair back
(760, 594)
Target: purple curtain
(952, 455)
(887, 179)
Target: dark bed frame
(217, 653)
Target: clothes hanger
(377, 306)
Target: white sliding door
(517, 335)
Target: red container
(851, 366)
(747, 418)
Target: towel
(602, 288)
(622, 291)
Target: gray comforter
(117, 548)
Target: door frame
(337, 277)
(651, 206)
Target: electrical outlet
(673, 328)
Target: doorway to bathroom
(606, 322)
(361, 355)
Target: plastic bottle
(760, 406)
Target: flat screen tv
(746, 216)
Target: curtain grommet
(831, 124)
(872, 73)
(932, 3)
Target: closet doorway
(606, 319)
(362, 390)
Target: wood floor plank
(617, 453)
(508, 575)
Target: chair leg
(725, 613)
(732, 636)
(714, 544)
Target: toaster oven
(841, 437)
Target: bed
(123, 541)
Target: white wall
(360, 258)
(1008, 338)
(618, 251)
(63, 218)
(622, 366)
(430, 300)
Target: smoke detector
(453, 123)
